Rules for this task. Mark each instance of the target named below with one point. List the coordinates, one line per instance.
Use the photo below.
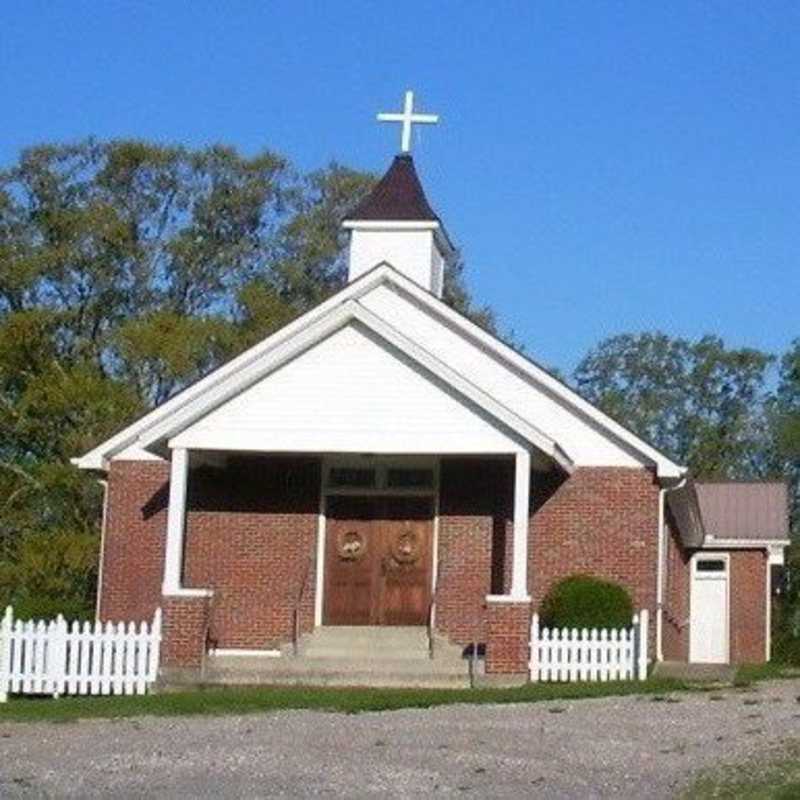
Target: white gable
(351, 392)
(408, 375)
(583, 439)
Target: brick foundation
(508, 636)
(185, 625)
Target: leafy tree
(785, 414)
(699, 401)
(127, 270)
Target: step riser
(351, 679)
(310, 665)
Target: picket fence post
(535, 669)
(5, 653)
(642, 650)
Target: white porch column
(176, 520)
(519, 569)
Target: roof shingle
(398, 196)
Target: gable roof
(397, 197)
(746, 511)
(301, 332)
(347, 312)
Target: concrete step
(365, 642)
(306, 664)
(347, 656)
(339, 679)
(350, 656)
(254, 670)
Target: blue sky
(605, 166)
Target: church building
(384, 487)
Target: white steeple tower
(395, 223)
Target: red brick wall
(599, 521)
(133, 552)
(748, 606)
(677, 577)
(508, 637)
(185, 624)
(251, 536)
(474, 536)
(747, 590)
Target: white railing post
(642, 650)
(5, 653)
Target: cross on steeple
(408, 118)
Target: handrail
(432, 610)
(296, 610)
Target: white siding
(412, 252)
(349, 393)
(577, 436)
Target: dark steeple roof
(398, 196)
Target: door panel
(378, 560)
(406, 561)
(350, 558)
(708, 630)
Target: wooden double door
(378, 560)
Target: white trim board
(208, 387)
(524, 433)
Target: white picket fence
(38, 657)
(569, 654)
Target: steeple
(395, 223)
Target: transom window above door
(388, 476)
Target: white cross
(408, 118)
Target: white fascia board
(464, 387)
(666, 468)
(98, 457)
(280, 354)
(711, 543)
(391, 225)
(341, 316)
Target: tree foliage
(127, 270)
(700, 402)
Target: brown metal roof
(683, 504)
(743, 510)
(398, 196)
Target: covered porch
(262, 550)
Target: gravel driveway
(615, 747)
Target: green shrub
(786, 648)
(583, 601)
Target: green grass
(774, 778)
(351, 701)
(751, 673)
